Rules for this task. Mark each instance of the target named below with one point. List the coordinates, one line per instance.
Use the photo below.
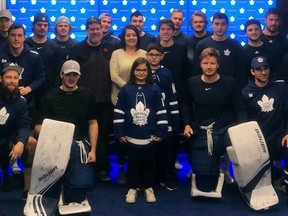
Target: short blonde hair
(211, 52)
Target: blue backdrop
(238, 11)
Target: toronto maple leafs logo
(260, 60)
(227, 52)
(3, 116)
(140, 114)
(266, 104)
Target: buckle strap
(209, 131)
(83, 152)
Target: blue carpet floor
(108, 199)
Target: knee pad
(202, 163)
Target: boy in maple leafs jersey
(166, 151)
(267, 103)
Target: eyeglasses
(154, 55)
(141, 70)
(261, 69)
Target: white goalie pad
(217, 193)
(37, 204)
(252, 171)
(50, 161)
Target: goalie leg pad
(37, 204)
(250, 158)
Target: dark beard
(5, 91)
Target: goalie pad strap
(209, 131)
(256, 179)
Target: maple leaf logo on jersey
(3, 116)
(227, 52)
(140, 114)
(266, 104)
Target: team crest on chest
(140, 113)
(4, 115)
(266, 104)
(227, 52)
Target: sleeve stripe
(175, 112)
(162, 122)
(118, 121)
(119, 111)
(161, 112)
(173, 103)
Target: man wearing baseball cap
(32, 76)
(93, 55)
(74, 104)
(48, 50)
(267, 103)
(108, 37)
(14, 120)
(63, 30)
(259, 61)
(5, 23)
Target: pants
(140, 161)
(5, 162)
(105, 120)
(121, 151)
(277, 152)
(165, 160)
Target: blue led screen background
(238, 11)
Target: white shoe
(131, 196)
(149, 194)
(178, 166)
(15, 168)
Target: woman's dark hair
(136, 63)
(122, 37)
